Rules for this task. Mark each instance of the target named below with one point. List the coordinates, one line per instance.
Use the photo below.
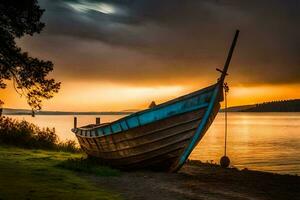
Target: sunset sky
(122, 54)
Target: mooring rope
(226, 90)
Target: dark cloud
(171, 40)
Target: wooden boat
(158, 138)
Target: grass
(88, 165)
(34, 174)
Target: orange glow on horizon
(243, 95)
(99, 96)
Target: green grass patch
(33, 174)
(88, 165)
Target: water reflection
(261, 141)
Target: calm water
(260, 141)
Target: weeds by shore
(27, 135)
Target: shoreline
(204, 181)
(195, 180)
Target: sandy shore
(203, 181)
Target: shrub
(28, 135)
(69, 146)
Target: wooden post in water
(97, 120)
(75, 122)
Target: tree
(29, 75)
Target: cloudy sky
(121, 54)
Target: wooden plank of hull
(142, 135)
(148, 128)
(166, 149)
(142, 149)
(109, 145)
(158, 139)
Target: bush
(27, 135)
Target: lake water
(259, 141)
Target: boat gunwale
(201, 106)
(183, 97)
(150, 132)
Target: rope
(226, 89)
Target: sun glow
(243, 95)
(99, 96)
(104, 96)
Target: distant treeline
(11, 111)
(276, 106)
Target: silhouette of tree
(29, 75)
(1, 109)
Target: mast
(225, 161)
(225, 69)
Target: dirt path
(203, 182)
